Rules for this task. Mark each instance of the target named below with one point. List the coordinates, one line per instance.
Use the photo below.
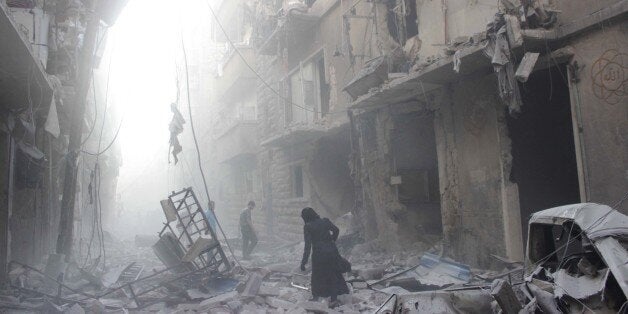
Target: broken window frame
(399, 16)
(319, 92)
(297, 189)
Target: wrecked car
(577, 260)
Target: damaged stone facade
(39, 64)
(497, 166)
(418, 126)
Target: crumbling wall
(599, 94)
(331, 188)
(415, 161)
(473, 151)
(442, 21)
(380, 206)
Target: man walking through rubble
(249, 236)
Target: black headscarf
(308, 214)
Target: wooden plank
(505, 297)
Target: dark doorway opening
(331, 184)
(416, 164)
(544, 156)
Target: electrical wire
(198, 152)
(109, 145)
(248, 65)
(97, 214)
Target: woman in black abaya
(320, 235)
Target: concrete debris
(252, 285)
(498, 49)
(457, 61)
(217, 301)
(575, 267)
(413, 280)
(526, 66)
(505, 297)
(469, 301)
(373, 74)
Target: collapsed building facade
(507, 143)
(39, 61)
(452, 119)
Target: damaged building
(426, 119)
(471, 156)
(39, 62)
(505, 119)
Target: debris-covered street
(314, 156)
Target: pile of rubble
(576, 262)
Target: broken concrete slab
(505, 297)
(252, 285)
(279, 303)
(216, 301)
(374, 73)
(526, 66)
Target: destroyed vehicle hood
(601, 224)
(597, 221)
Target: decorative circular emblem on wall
(475, 117)
(610, 76)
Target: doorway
(544, 157)
(416, 167)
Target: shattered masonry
(441, 140)
(415, 122)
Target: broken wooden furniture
(188, 241)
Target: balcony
(237, 141)
(22, 76)
(237, 78)
(295, 133)
(297, 16)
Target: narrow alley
(314, 156)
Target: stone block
(279, 303)
(252, 285)
(216, 301)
